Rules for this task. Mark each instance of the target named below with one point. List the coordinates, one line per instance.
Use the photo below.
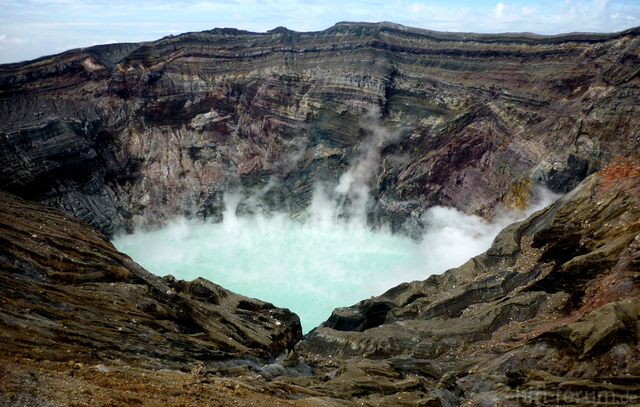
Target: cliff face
(66, 286)
(549, 313)
(133, 134)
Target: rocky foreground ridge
(132, 135)
(549, 315)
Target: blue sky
(33, 28)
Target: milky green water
(314, 266)
(306, 268)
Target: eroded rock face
(552, 307)
(130, 135)
(66, 290)
(548, 315)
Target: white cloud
(417, 8)
(527, 10)
(104, 42)
(499, 10)
(12, 40)
(67, 47)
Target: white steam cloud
(453, 237)
(354, 186)
(329, 260)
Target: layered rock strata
(548, 316)
(394, 118)
(550, 312)
(128, 135)
(64, 289)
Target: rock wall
(550, 312)
(547, 316)
(131, 135)
(67, 292)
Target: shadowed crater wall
(132, 135)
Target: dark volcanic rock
(66, 289)
(131, 135)
(57, 164)
(552, 307)
(549, 315)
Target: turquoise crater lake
(309, 267)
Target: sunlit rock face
(132, 135)
(68, 292)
